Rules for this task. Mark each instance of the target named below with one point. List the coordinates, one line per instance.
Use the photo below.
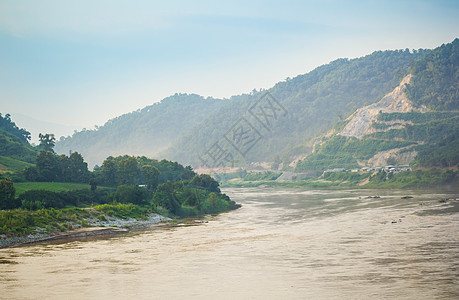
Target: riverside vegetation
(59, 193)
(431, 178)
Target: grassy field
(22, 187)
(11, 164)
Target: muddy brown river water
(284, 243)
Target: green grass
(19, 222)
(13, 165)
(22, 187)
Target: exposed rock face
(396, 101)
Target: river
(284, 243)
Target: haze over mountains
(184, 127)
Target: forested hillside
(424, 131)
(314, 103)
(435, 81)
(143, 132)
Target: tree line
(164, 186)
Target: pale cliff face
(396, 101)
(361, 121)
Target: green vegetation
(8, 126)
(417, 117)
(435, 78)
(382, 179)
(433, 134)
(418, 179)
(268, 175)
(343, 152)
(137, 185)
(47, 142)
(7, 194)
(350, 178)
(137, 180)
(22, 222)
(12, 165)
(49, 168)
(22, 187)
(438, 132)
(14, 141)
(314, 101)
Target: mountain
(307, 105)
(417, 122)
(143, 132)
(342, 114)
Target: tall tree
(79, 168)
(128, 170)
(109, 170)
(47, 142)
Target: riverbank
(109, 225)
(434, 178)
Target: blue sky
(80, 63)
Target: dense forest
(436, 77)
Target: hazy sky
(80, 63)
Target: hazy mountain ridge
(143, 132)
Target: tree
(128, 170)
(47, 142)
(7, 194)
(151, 176)
(130, 194)
(206, 182)
(78, 167)
(93, 184)
(9, 126)
(47, 166)
(109, 169)
(165, 197)
(65, 172)
(31, 173)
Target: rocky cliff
(396, 101)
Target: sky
(65, 65)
